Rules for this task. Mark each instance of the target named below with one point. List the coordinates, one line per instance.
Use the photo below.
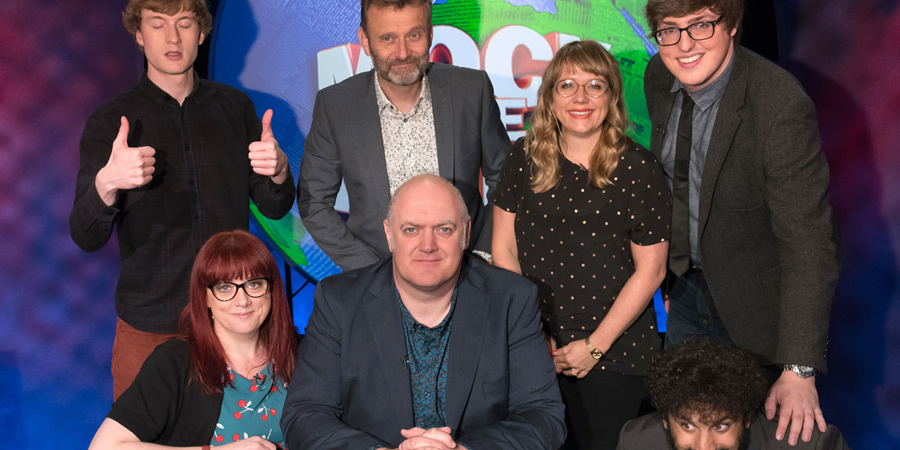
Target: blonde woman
(584, 212)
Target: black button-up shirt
(200, 187)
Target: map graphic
(538, 5)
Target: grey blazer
(351, 389)
(769, 248)
(344, 143)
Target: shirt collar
(411, 322)
(383, 101)
(706, 97)
(159, 96)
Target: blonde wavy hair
(543, 139)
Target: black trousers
(598, 405)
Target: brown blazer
(767, 240)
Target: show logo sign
(514, 58)
(282, 53)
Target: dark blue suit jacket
(351, 388)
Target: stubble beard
(408, 78)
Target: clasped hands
(573, 360)
(430, 439)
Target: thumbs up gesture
(266, 156)
(127, 168)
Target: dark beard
(743, 442)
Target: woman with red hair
(224, 381)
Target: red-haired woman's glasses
(226, 290)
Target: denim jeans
(692, 313)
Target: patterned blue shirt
(427, 355)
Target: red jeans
(130, 349)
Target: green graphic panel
(620, 24)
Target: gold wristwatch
(596, 354)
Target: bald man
(429, 347)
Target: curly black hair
(706, 378)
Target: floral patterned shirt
(251, 407)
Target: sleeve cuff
(99, 210)
(483, 255)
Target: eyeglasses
(699, 31)
(593, 88)
(224, 291)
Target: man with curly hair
(709, 396)
(169, 164)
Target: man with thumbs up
(169, 164)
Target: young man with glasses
(753, 258)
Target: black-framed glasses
(593, 88)
(699, 31)
(224, 291)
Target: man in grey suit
(429, 348)
(708, 395)
(377, 129)
(753, 256)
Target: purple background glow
(61, 59)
